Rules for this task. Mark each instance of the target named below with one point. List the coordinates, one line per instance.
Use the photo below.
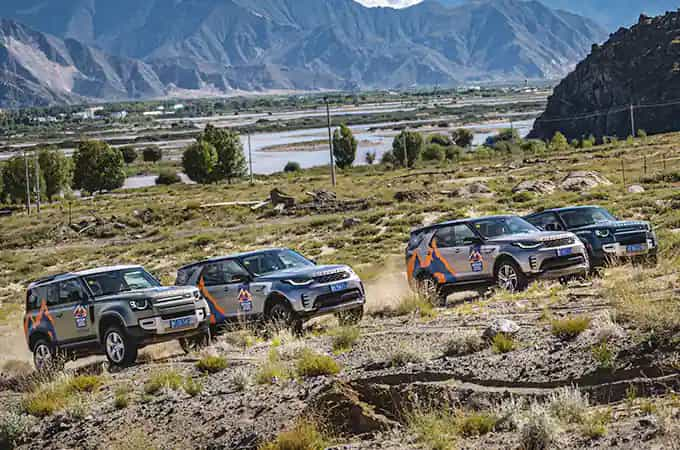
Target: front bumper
(619, 250)
(159, 326)
(327, 298)
(558, 262)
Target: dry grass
(502, 343)
(312, 364)
(212, 364)
(570, 327)
(462, 344)
(416, 304)
(303, 435)
(344, 338)
(59, 394)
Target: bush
(464, 344)
(534, 146)
(405, 354)
(129, 154)
(199, 161)
(476, 424)
(595, 424)
(304, 435)
(292, 166)
(311, 364)
(440, 139)
(434, 152)
(502, 343)
(570, 328)
(538, 429)
(388, 158)
(84, 383)
(604, 355)
(343, 338)
(168, 177)
(558, 142)
(12, 426)
(152, 154)
(169, 379)
(413, 142)
(370, 157)
(212, 364)
(454, 153)
(568, 405)
(98, 167)
(344, 147)
(463, 137)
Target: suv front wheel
(281, 315)
(120, 349)
(509, 276)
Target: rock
(538, 186)
(478, 188)
(350, 222)
(504, 326)
(411, 196)
(583, 181)
(636, 189)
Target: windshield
(582, 217)
(273, 261)
(111, 283)
(499, 226)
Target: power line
(603, 112)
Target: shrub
(407, 147)
(169, 379)
(538, 429)
(464, 344)
(152, 154)
(343, 338)
(344, 147)
(167, 177)
(434, 152)
(212, 364)
(558, 142)
(570, 328)
(502, 343)
(199, 161)
(370, 157)
(463, 137)
(272, 370)
(441, 140)
(311, 364)
(568, 405)
(404, 354)
(476, 424)
(292, 166)
(388, 158)
(12, 426)
(603, 355)
(98, 167)
(595, 423)
(435, 429)
(84, 383)
(129, 154)
(454, 153)
(121, 398)
(304, 435)
(192, 387)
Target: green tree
(463, 137)
(434, 152)
(98, 167)
(440, 139)
(129, 154)
(14, 179)
(199, 161)
(292, 166)
(56, 170)
(558, 142)
(344, 147)
(414, 145)
(152, 154)
(231, 163)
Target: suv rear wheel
(430, 288)
(510, 277)
(44, 355)
(120, 348)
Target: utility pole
(632, 120)
(250, 160)
(403, 143)
(37, 181)
(28, 185)
(330, 141)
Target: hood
(537, 236)
(311, 272)
(618, 225)
(155, 293)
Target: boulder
(537, 186)
(504, 326)
(636, 189)
(350, 222)
(583, 181)
(478, 188)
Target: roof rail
(49, 278)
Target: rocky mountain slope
(639, 66)
(216, 45)
(40, 69)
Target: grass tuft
(169, 379)
(570, 328)
(304, 435)
(311, 364)
(502, 343)
(58, 394)
(344, 338)
(212, 364)
(462, 344)
(416, 304)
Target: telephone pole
(632, 120)
(250, 160)
(28, 185)
(403, 143)
(330, 141)
(37, 181)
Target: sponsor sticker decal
(476, 259)
(245, 299)
(80, 316)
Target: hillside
(222, 46)
(637, 66)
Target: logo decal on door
(80, 316)
(476, 259)
(245, 299)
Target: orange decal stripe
(211, 299)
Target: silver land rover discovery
(503, 250)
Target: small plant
(604, 355)
(404, 354)
(464, 344)
(58, 394)
(502, 343)
(343, 338)
(595, 424)
(242, 339)
(304, 435)
(476, 424)
(12, 426)
(647, 407)
(538, 429)
(570, 327)
(416, 303)
(568, 405)
(121, 398)
(212, 364)
(84, 383)
(311, 364)
(435, 430)
(170, 379)
(168, 177)
(631, 394)
(272, 370)
(192, 387)
(240, 379)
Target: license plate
(339, 287)
(565, 251)
(181, 323)
(637, 248)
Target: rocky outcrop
(639, 66)
(583, 181)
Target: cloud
(390, 3)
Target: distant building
(119, 115)
(178, 106)
(88, 114)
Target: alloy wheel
(42, 356)
(115, 347)
(507, 278)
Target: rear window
(415, 240)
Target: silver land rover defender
(503, 250)
(110, 310)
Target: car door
(225, 286)
(453, 253)
(70, 306)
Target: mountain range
(67, 50)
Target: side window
(184, 275)
(463, 235)
(222, 272)
(415, 240)
(445, 237)
(71, 291)
(547, 221)
(35, 298)
(52, 294)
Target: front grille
(336, 298)
(631, 238)
(331, 277)
(562, 262)
(171, 303)
(563, 242)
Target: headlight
(139, 305)
(299, 281)
(527, 245)
(197, 295)
(602, 233)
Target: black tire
(195, 343)
(281, 316)
(508, 276)
(45, 356)
(430, 288)
(121, 349)
(350, 317)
